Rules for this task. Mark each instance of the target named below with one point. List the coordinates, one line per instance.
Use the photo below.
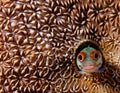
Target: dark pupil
(80, 57)
(96, 55)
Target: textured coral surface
(37, 41)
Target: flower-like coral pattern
(37, 41)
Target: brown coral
(37, 41)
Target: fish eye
(94, 55)
(81, 56)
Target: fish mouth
(89, 67)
